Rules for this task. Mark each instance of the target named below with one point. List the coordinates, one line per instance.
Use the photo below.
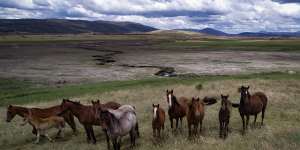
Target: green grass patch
(228, 44)
(20, 92)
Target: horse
(224, 115)
(195, 115)
(85, 115)
(177, 107)
(43, 124)
(158, 121)
(119, 123)
(12, 111)
(251, 105)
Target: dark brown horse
(85, 114)
(224, 115)
(195, 115)
(158, 121)
(12, 111)
(252, 105)
(177, 107)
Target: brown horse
(12, 111)
(177, 107)
(224, 116)
(85, 115)
(251, 105)
(195, 115)
(158, 121)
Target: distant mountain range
(41, 26)
(210, 31)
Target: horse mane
(73, 102)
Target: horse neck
(245, 99)
(174, 102)
(21, 111)
(76, 109)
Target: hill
(63, 26)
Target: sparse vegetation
(280, 132)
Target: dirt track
(73, 64)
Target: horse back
(46, 112)
(263, 98)
(111, 105)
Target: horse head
(170, 97)
(244, 93)
(155, 108)
(11, 113)
(224, 102)
(194, 106)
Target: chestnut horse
(158, 121)
(177, 107)
(251, 105)
(195, 113)
(224, 115)
(86, 116)
(12, 111)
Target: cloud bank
(231, 16)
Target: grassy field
(281, 130)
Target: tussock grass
(281, 130)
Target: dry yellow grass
(281, 130)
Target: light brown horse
(195, 115)
(158, 121)
(224, 116)
(12, 111)
(43, 124)
(177, 107)
(251, 105)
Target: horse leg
(92, 134)
(200, 126)
(247, 121)
(37, 137)
(226, 129)
(177, 119)
(87, 131)
(262, 116)
(196, 129)
(114, 141)
(254, 122)
(180, 122)
(171, 122)
(158, 132)
(221, 131)
(69, 118)
(154, 132)
(190, 130)
(137, 130)
(107, 138)
(243, 120)
(34, 130)
(46, 135)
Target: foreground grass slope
(281, 131)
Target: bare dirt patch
(120, 60)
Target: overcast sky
(231, 16)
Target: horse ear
(98, 101)
(153, 105)
(172, 91)
(193, 98)
(227, 95)
(198, 99)
(9, 106)
(222, 95)
(158, 105)
(248, 87)
(167, 91)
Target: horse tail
(235, 105)
(137, 129)
(209, 100)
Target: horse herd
(119, 120)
